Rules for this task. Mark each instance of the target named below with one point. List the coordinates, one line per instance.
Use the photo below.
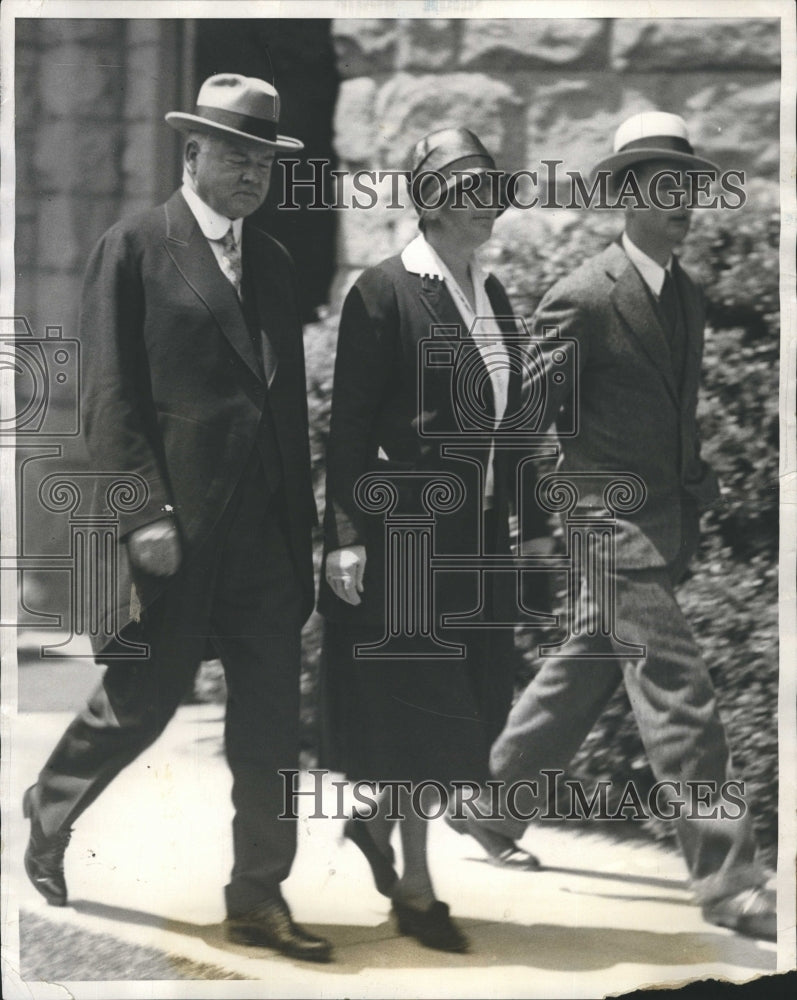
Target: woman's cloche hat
(653, 135)
(239, 107)
(448, 152)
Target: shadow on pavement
(649, 880)
(540, 946)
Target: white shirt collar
(651, 271)
(212, 223)
(420, 257)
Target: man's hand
(155, 548)
(345, 569)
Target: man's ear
(190, 155)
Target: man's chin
(244, 205)
(679, 228)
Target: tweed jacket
(172, 391)
(635, 414)
(376, 411)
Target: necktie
(231, 260)
(668, 301)
(669, 304)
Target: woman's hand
(345, 569)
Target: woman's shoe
(385, 877)
(500, 850)
(433, 927)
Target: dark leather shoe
(44, 856)
(751, 912)
(385, 877)
(433, 927)
(501, 851)
(270, 925)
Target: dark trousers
(675, 706)
(239, 592)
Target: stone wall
(538, 89)
(88, 138)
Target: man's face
(232, 177)
(462, 220)
(663, 228)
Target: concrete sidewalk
(148, 861)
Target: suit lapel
(438, 303)
(633, 302)
(271, 300)
(441, 307)
(195, 261)
(509, 334)
(694, 329)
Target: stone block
(355, 135)
(408, 107)
(525, 43)
(58, 242)
(367, 235)
(56, 301)
(143, 31)
(695, 43)
(27, 73)
(24, 292)
(146, 79)
(28, 34)
(24, 146)
(571, 118)
(97, 215)
(364, 45)
(77, 80)
(56, 31)
(139, 156)
(25, 230)
(736, 123)
(426, 43)
(77, 160)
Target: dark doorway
(296, 55)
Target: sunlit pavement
(148, 861)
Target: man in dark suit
(194, 386)
(637, 319)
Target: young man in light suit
(638, 319)
(194, 388)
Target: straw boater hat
(653, 135)
(449, 152)
(238, 107)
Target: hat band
(663, 142)
(258, 127)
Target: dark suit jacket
(375, 404)
(172, 390)
(635, 414)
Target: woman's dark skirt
(414, 719)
